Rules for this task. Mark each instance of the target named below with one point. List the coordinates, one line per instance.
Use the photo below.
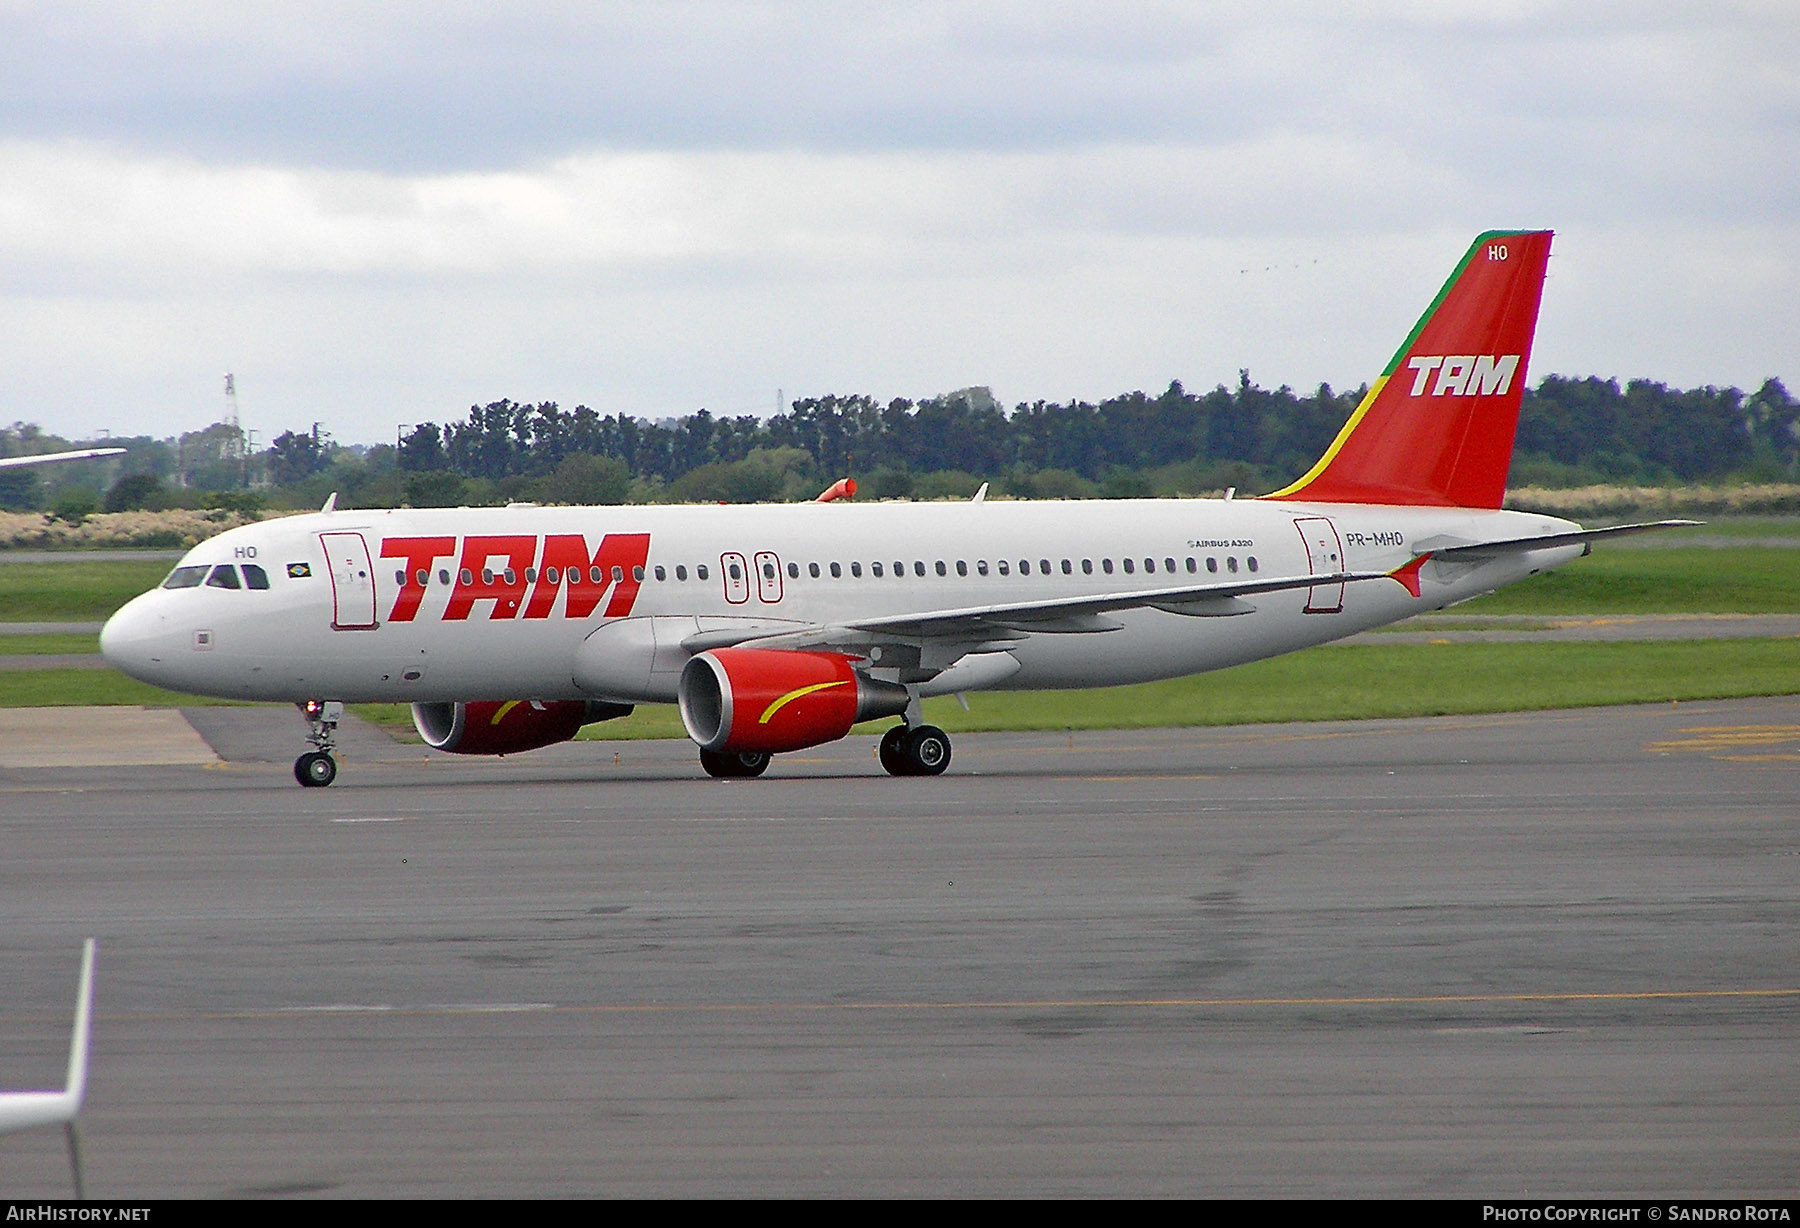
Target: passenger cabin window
(940, 568)
(185, 577)
(875, 570)
(1231, 564)
(1005, 567)
(660, 573)
(962, 568)
(1068, 568)
(1251, 562)
(700, 571)
(856, 569)
(1044, 566)
(812, 569)
(981, 567)
(223, 576)
(1087, 567)
(794, 570)
(919, 567)
(444, 575)
(1130, 567)
(680, 572)
(1192, 566)
(1106, 566)
(837, 572)
(256, 577)
(1149, 567)
(1212, 565)
(1169, 566)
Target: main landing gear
(734, 763)
(915, 750)
(316, 768)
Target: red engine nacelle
(760, 699)
(490, 727)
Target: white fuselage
(498, 617)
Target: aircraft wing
(1474, 550)
(19, 1110)
(945, 635)
(19, 462)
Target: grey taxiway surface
(1551, 954)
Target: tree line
(1572, 431)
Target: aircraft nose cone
(134, 640)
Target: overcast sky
(381, 213)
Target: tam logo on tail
(1464, 375)
(1471, 347)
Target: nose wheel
(922, 750)
(316, 768)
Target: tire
(315, 769)
(731, 765)
(927, 751)
(893, 752)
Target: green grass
(85, 591)
(1679, 580)
(43, 645)
(1733, 526)
(1352, 682)
(57, 688)
(1359, 681)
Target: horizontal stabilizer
(1515, 545)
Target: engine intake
(760, 699)
(492, 727)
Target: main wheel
(893, 752)
(927, 751)
(315, 769)
(752, 762)
(734, 764)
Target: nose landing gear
(316, 768)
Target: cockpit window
(223, 576)
(256, 577)
(185, 577)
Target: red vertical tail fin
(1437, 428)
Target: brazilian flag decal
(299, 571)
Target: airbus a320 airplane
(779, 627)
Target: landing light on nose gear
(316, 768)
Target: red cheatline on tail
(1436, 430)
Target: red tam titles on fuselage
(545, 567)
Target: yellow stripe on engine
(791, 696)
(506, 707)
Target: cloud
(404, 208)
